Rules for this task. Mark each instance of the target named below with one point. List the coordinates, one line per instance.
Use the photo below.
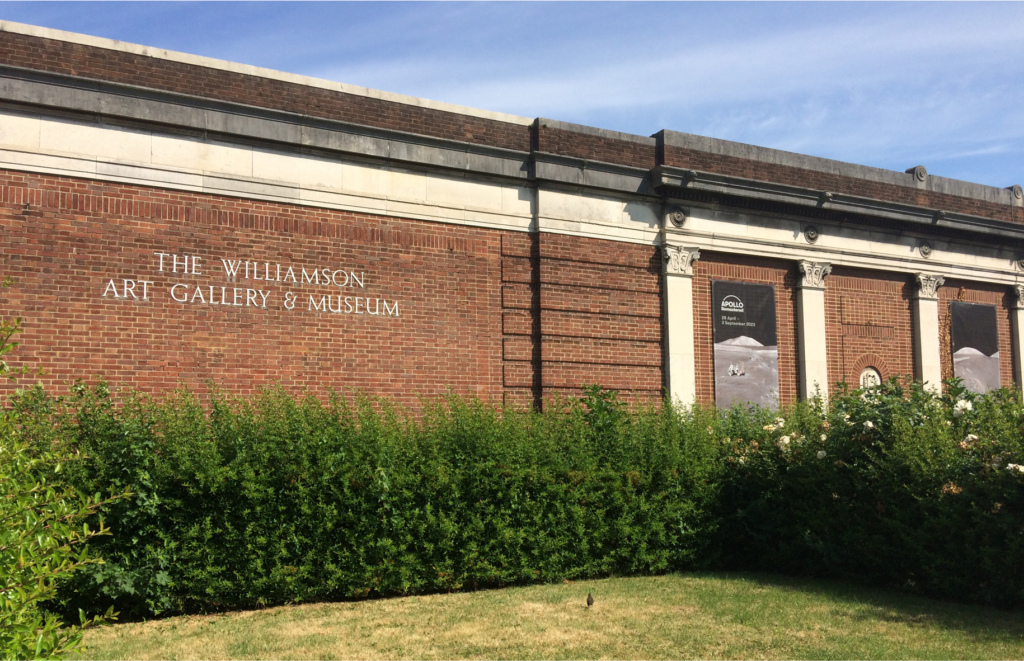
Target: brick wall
(599, 308)
(520, 302)
(782, 274)
(64, 239)
(977, 292)
(485, 312)
(592, 147)
(869, 324)
(128, 68)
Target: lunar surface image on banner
(746, 347)
(975, 345)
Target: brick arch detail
(868, 360)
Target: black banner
(746, 345)
(975, 339)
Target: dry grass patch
(665, 617)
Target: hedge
(244, 503)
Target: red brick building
(175, 219)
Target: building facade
(172, 219)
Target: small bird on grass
(590, 600)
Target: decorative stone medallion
(919, 172)
(870, 378)
(677, 216)
(811, 234)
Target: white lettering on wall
(128, 289)
(137, 289)
(339, 304)
(231, 267)
(176, 261)
(174, 295)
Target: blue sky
(888, 85)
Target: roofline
(249, 70)
(916, 178)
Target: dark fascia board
(840, 168)
(95, 100)
(666, 179)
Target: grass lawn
(665, 617)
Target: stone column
(681, 368)
(810, 319)
(1017, 326)
(927, 353)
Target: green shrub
(270, 500)
(274, 499)
(892, 486)
(41, 542)
(43, 539)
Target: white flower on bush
(868, 425)
(769, 427)
(743, 460)
(962, 406)
(824, 437)
(970, 438)
(779, 422)
(1015, 467)
(784, 442)
(822, 454)
(948, 423)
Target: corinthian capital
(678, 260)
(928, 285)
(1018, 296)
(814, 274)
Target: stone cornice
(916, 177)
(89, 100)
(558, 169)
(668, 180)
